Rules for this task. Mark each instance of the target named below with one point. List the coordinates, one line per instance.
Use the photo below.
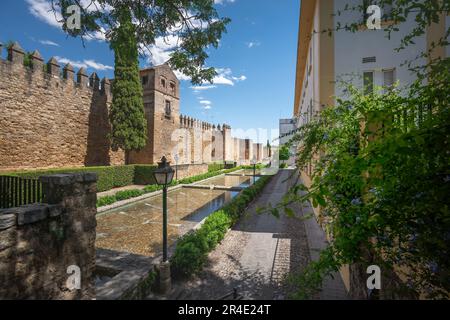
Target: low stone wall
(189, 170)
(40, 243)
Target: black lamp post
(164, 176)
(254, 169)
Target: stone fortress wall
(50, 118)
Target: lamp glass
(164, 173)
(160, 178)
(170, 175)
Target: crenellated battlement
(56, 116)
(38, 71)
(52, 115)
(189, 122)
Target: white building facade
(365, 58)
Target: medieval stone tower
(162, 111)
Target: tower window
(144, 80)
(168, 109)
(163, 82)
(172, 87)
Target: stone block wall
(236, 149)
(39, 242)
(51, 121)
(189, 170)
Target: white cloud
(42, 9)
(203, 87)
(49, 43)
(252, 44)
(224, 76)
(207, 107)
(87, 63)
(223, 1)
(241, 78)
(205, 102)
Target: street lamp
(254, 169)
(164, 176)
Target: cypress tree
(129, 126)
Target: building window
(163, 82)
(172, 87)
(368, 82)
(388, 78)
(144, 80)
(168, 109)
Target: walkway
(259, 252)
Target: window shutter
(388, 78)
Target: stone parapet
(41, 243)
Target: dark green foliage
(128, 123)
(195, 23)
(128, 194)
(192, 250)
(143, 174)
(284, 153)
(283, 165)
(216, 166)
(384, 188)
(109, 177)
(105, 201)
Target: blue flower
(356, 202)
(433, 266)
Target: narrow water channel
(137, 228)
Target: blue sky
(255, 60)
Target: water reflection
(137, 228)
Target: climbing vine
(383, 185)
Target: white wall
(350, 48)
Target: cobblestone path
(256, 254)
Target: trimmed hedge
(216, 166)
(109, 177)
(143, 174)
(192, 249)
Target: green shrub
(283, 165)
(119, 196)
(191, 251)
(128, 194)
(152, 188)
(216, 166)
(143, 174)
(105, 201)
(109, 177)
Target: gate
(17, 191)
